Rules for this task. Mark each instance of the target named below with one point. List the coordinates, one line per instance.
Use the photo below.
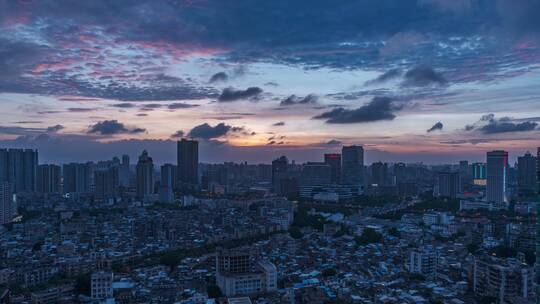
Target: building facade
(101, 285)
(497, 173)
(352, 165)
(526, 175)
(334, 161)
(19, 167)
(188, 164)
(8, 207)
(238, 273)
(145, 176)
(48, 179)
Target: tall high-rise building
(77, 177)
(538, 223)
(448, 184)
(124, 171)
(48, 179)
(188, 164)
(352, 165)
(465, 176)
(400, 172)
(496, 172)
(19, 167)
(379, 174)
(145, 176)
(106, 183)
(168, 182)
(8, 208)
(315, 174)
(538, 169)
(334, 161)
(279, 172)
(538, 228)
(479, 170)
(526, 174)
(4, 161)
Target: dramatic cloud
(435, 127)
(54, 128)
(111, 127)
(379, 108)
(386, 76)
(178, 134)
(180, 105)
(489, 124)
(219, 77)
(294, 100)
(231, 94)
(206, 131)
(422, 76)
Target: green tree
(472, 248)
(213, 291)
(329, 272)
(394, 232)
(82, 284)
(295, 233)
(368, 236)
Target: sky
(431, 81)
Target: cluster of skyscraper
(18, 171)
(339, 173)
(337, 177)
(495, 174)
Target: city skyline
(82, 83)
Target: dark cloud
(219, 77)
(333, 142)
(181, 105)
(504, 127)
(81, 110)
(54, 128)
(489, 124)
(178, 134)
(231, 94)
(17, 58)
(111, 127)
(22, 122)
(206, 131)
(279, 124)
(152, 106)
(124, 105)
(344, 35)
(141, 114)
(10, 130)
(422, 76)
(435, 127)
(386, 76)
(379, 108)
(294, 100)
(138, 130)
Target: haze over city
(428, 81)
